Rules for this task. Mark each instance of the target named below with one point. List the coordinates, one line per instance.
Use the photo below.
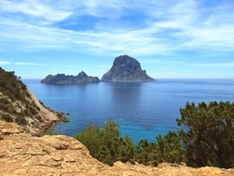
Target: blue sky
(171, 39)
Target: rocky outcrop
(81, 78)
(22, 154)
(126, 69)
(47, 121)
(19, 105)
(32, 116)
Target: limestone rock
(81, 78)
(126, 69)
(22, 154)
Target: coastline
(49, 118)
(50, 126)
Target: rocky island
(81, 78)
(126, 69)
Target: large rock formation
(126, 69)
(81, 78)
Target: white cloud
(4, 62)
(231, 64)
(34, 11)
(28, 63)
(167, 26)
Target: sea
(143, 110)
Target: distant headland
(124, 69)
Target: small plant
(46, 151)
(20, 120)
(7, 118)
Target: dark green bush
(105, 143)
(7, 118)
(209, 140)
(20, 120)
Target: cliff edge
(22, 154)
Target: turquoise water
(143, 110)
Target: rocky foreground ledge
(23, 154)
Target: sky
(171, 39)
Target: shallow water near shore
(143, 110)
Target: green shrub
(105, 143)
(7, 118)
(209, 139)
(20, 120)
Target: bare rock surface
(23, 154)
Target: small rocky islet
(124, 69)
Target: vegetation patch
(207, 141)
(7, 118)
(20, 120)
(46, 151)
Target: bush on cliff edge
(207, 141)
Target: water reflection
(131, 104)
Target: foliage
(20, 120)
(7, 118)
(12, 86)
(107, 146)
(167, 148)
(105, 143)
(209, 139)
(146, 153)
(13, 93)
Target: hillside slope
(19, 105)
